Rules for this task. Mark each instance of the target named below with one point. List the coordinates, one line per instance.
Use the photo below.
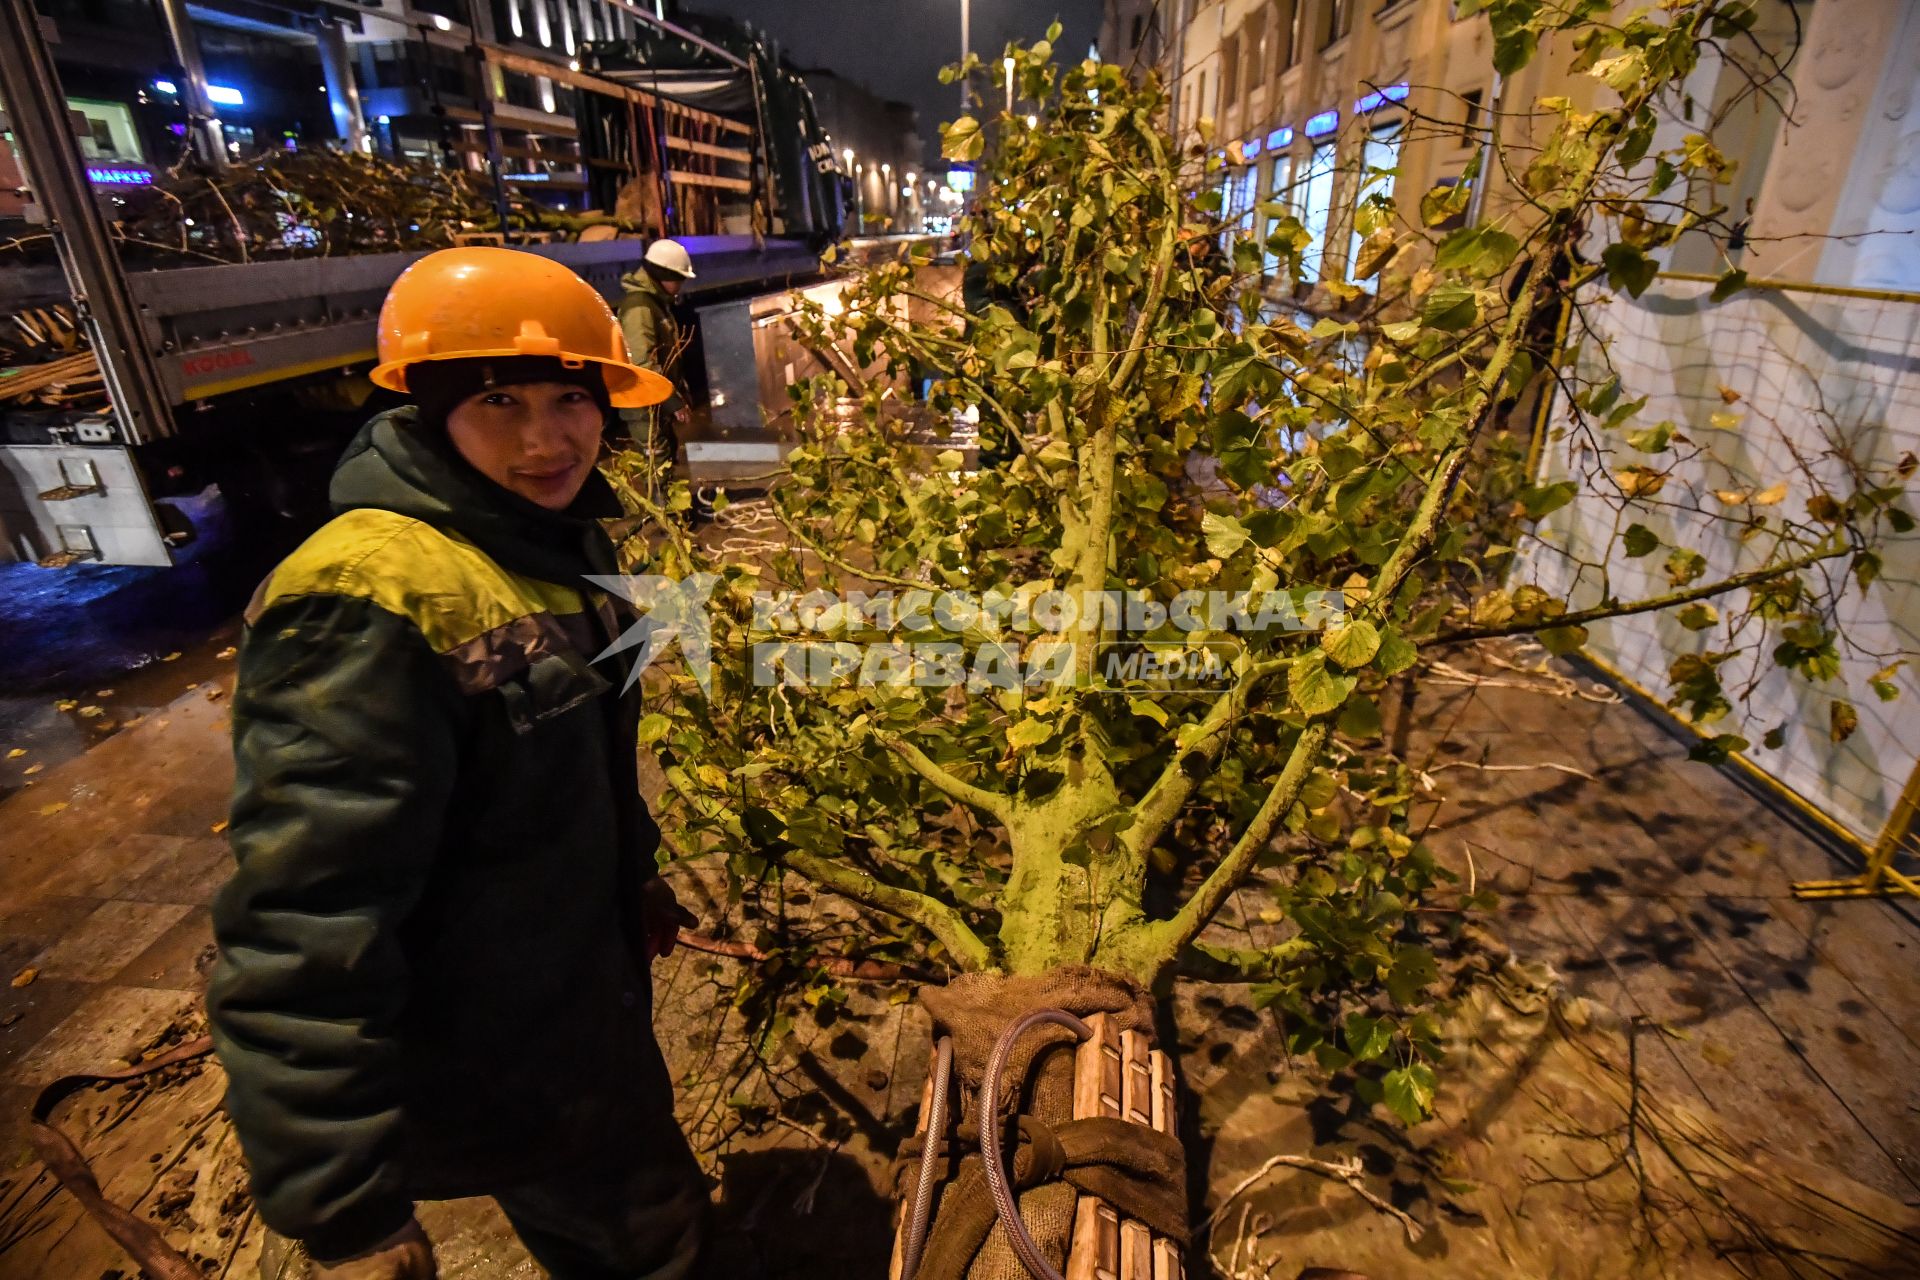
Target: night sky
(896, 47)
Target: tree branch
(1164, 940)
(1207, 963)
(1157, 809)
(1602, 613)
(991, 802)
(936, 917)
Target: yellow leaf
(219, 826)
(1770, 495)
(48, 810)
(16, 753)
(65, 704)
(1732, 497)
(227, 652)
(24, 978)
(1721, 420)
(171, 657)
(91, 712)
(33, 769)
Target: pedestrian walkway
(1653, 885)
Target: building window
(1255, 42)
(1302, 25)
(1279, 191)
(1139, 28)
(1381, 153)
(1338, 16)
(1283, 42)
(1470, 114)
(1229, 69)
(1316, 206)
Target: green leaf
(1629, 268)
(1360, 719)
(1029, 733)
(1717, 749)
(1352, 645)
(1397, 653)
(1651, 439)
(1697, 616)
(1413, 968)
(1546, 499)
(1562, 641)
(1639, 541)
(1315, 691)
(1225, 535)
(962, 139)
(1408, 1092)
(1730, 282)
(1367, 1038)
(1450, 308)
(653, 727)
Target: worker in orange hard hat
(434, 951)
(656, 340)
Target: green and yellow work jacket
(428, 983)
(654, 339)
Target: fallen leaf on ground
(90, 712)
(48, 810)
(194, 685)
(65, 704)
(171, 657)
(25, 977)
(34, 768)
(16, 753)
(215, 694)
(103, 693)
(227, 652)
(219, 826)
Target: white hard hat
(671, 255)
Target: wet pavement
(90, 650)
(1654, 886)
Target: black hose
(930, 1138)
(996, 1170)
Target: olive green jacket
(427, 983)
(653, 335)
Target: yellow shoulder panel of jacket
(448, 588)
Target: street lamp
(1008, 64)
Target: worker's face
(537, 439)
(672, 285)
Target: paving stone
(102, 944)
(191, 872)
(178, 960)
(103, 870)
(106, 1026)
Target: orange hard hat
(463, 304)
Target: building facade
(1304, 97)
(876, 142)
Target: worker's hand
(405, 1255)
(662, 917)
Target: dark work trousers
(630, 1202)
(622, 1215)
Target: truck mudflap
(62, 504)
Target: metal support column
(43, 134)
(343, 94)
(1879, 879)
(203, 123)
(477, 21)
